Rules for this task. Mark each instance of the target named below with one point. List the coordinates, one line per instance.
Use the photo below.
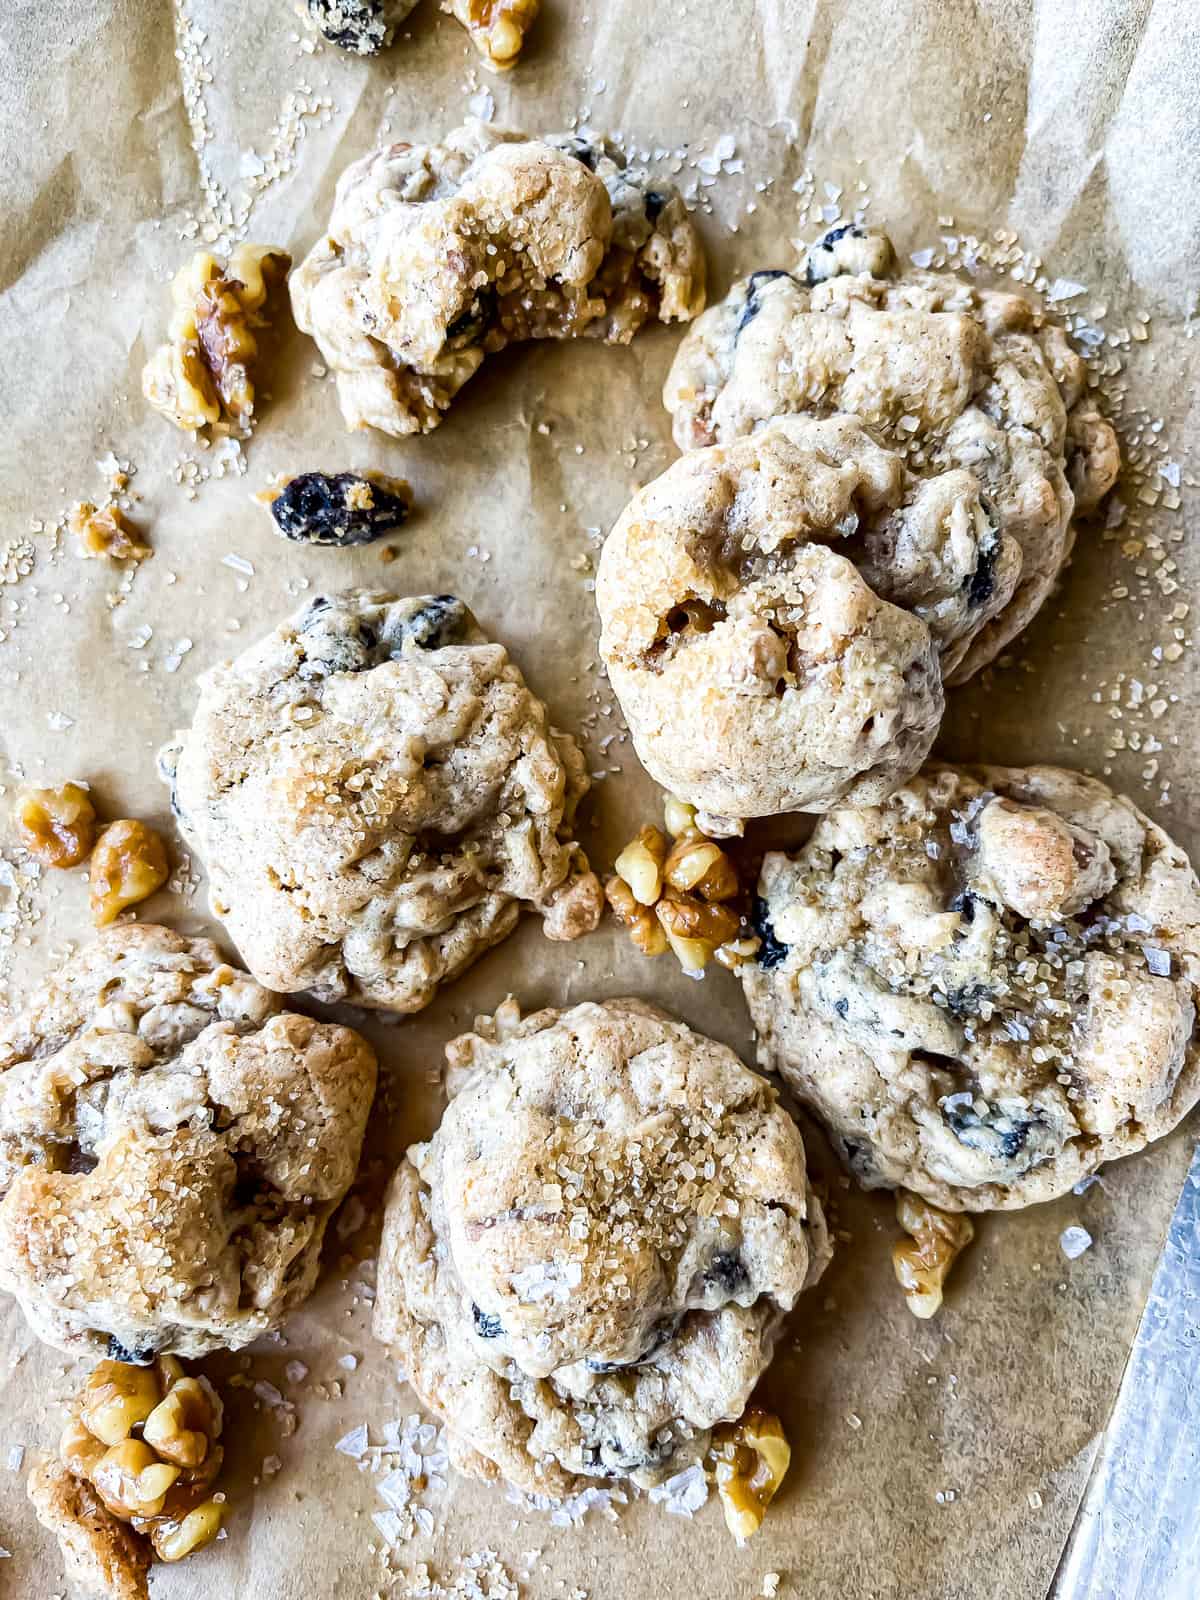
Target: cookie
(375, 793)
(438, 255)
(748, 627)
(952, 375)
(985, 987)
(588, 1264)
(172, 1145)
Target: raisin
(752, 305)
(433, 621)
(654, 204)
(727, 1272)
(997, 1134)
(342, 508)
(772, 950)
(138, 1355)
(582, 151)
(335, 644)
(487, 1327)
(360, 26)
(812, 275)
(470, 327)
(842, 1007)
(981, 584)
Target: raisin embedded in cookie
(437, 255)
(985, 987)
(955, 376)
(172, 1145)
(588, 1264)
(772, 615)
(375, 793)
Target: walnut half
(922, 1262)
(203, 375)
(134, 1477)
(750, 1458)
(497, 28)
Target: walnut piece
(922, 1262)
(497, 28)
(129, 863)
(203, 375)
(56, 826)
(674, 894)
(134, 1477)
(105, 531)
(750, 1458)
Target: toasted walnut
(185, 1421)
(105, 531)
(922, 1263)
(695, 929)
(202, 376)
(129, 863)
(116, 1397)
(172, 1540)
(497, 27)
(57, 826)
(698, 864)
(131, 1480)
(141, 1448)
(750, 1458)
(644, 928)
(641, 865)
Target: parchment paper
(930, 1460)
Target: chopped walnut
(922, 1262)
(105, 531)
(644, 927)
(134, 1477)
(129, 863)
(750, 1458)
(497, 28)
(202, 376)
(674, 894)
(56, 826)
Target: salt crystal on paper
(1074, 1241)
(16, 1457)
(296, 1371)
(685, 1493)
(268, 1393)
(922, 258)
(1065, 289)
(354, 1444)
(389, 1526)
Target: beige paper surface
(930, 1460)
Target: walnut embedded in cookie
(772, 613)
(375, 793)
(172, 1145)
(438, 255)
(985, 987)
(956, 376)
(587, 1266)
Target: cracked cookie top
(374, 792)
(772, 612)
(953, 375)
(587, 1265)
(172, 1145)
(985, 987)
(437, 255)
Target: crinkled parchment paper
(939, 1459)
